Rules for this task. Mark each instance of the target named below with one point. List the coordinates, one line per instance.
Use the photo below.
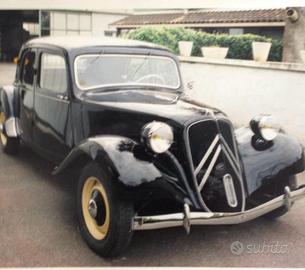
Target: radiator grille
(213, 150)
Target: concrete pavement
(38, 227)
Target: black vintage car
(148, 156)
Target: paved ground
(38, 228)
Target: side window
(53, 75)
(28, 69)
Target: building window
(110, 33)
(236, 31)
(59, 23)
(45, 23)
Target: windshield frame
(123, 85)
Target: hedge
(239, 45)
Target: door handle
(62, 97)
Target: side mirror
(190, 85)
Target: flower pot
(260, 51)
(185, 48)
(302, 52)
(214, 52)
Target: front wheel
(9, 145)
(105, 220)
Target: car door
(25, 84)
(51, 105)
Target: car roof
(75, 42)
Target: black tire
(276, 213)
(121, 213)
(9, 145)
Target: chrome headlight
(265, 126)
(157, 136)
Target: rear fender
(285, 156)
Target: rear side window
(28, 69)
(53, 75)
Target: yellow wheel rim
(3, 137)
(95, 207)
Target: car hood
(163, 105)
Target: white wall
(243, 89)
(101, 22)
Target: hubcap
(92, 208)
(3, 137)
(95, 207)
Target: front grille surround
(218, 145)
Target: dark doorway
(12, 34)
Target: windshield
(95, 71)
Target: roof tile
(201, 16)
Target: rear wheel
(8, 145)
(105, 220)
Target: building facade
(16, 26)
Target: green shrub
(240, 46)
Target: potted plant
(260, 51)
(214, 52)
(185, 48)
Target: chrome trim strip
(52, 98)
(239, 176)
(209, 169)
(190, 160)
(231, 161)
(229, 151)
(207, 154)
(208, 218)
(230, 190)
(237, 169)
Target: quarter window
(28, 70)
(53, 75)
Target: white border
(120, 5)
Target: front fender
(114, 153)
(8, 101)
(285, 156)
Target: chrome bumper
(207, 218)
